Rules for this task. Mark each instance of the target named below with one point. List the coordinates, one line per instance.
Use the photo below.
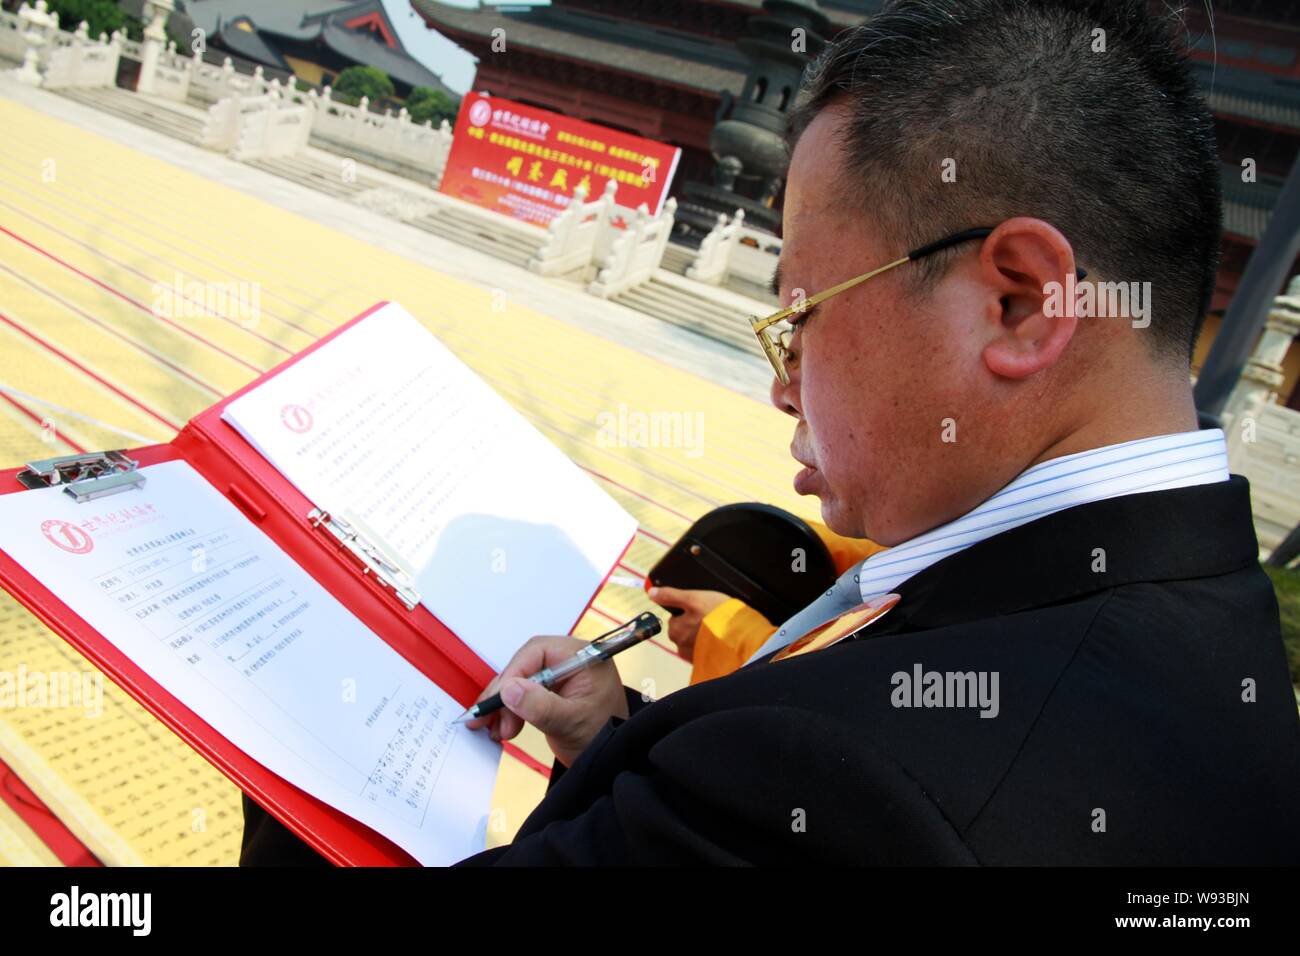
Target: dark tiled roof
(252, 46)
(285, 19)
(343, 12)
(372, 52)
(307, 20)
(667, 55)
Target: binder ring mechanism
(388, 569)
(84, 477)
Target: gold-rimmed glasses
(776, 342)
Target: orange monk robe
(733, 631)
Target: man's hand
(685, 627)
(571, 714)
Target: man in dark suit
(1085, 663)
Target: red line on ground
(132, 269)
(633, 571)
(40, 421)
(82, 313)
(95, 375)
(633, 491)
(135, 302)
(654, 537)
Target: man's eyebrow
(776, 281)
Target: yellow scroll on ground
(124, 784)
(19, 845)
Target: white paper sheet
(211, 608)
(506, 537)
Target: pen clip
(643, 622)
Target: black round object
(763, 555)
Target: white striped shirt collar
(1133, 467)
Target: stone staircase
(677, 258)
(323, 174)
(507, 239)
(425, 209)
(714, 313)
(178, 120)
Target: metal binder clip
(84, 477)
(387, 569)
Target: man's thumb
(529, 700)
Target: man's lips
(807, 476)
(805, 480)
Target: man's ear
(1028, 262)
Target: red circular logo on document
(296, 418)
(67, 536)
(480, 112)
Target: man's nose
(785, 397)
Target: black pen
(641, 627)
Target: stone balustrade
(635, 255)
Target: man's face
(886, 390)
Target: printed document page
(200, 599)
(505, 536)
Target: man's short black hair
(1083, 113)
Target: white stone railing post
(714, 256)
(155, 42)
(1263, 374)
(634, 256)
(39, 27)
(579, 236)
(664, 224)
(81, 62)
(13, 46)
(441, 150)
(606, 232)
(559, 253)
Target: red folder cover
(222, 456)
(63, 843)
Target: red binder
(63, 843)
(221, 455)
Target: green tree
(1286, 581)
(425, 103)
(369, 81)
(101, 16)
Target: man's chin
(837, 518)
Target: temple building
(314, 40)
(678, 70)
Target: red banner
(525, 162)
